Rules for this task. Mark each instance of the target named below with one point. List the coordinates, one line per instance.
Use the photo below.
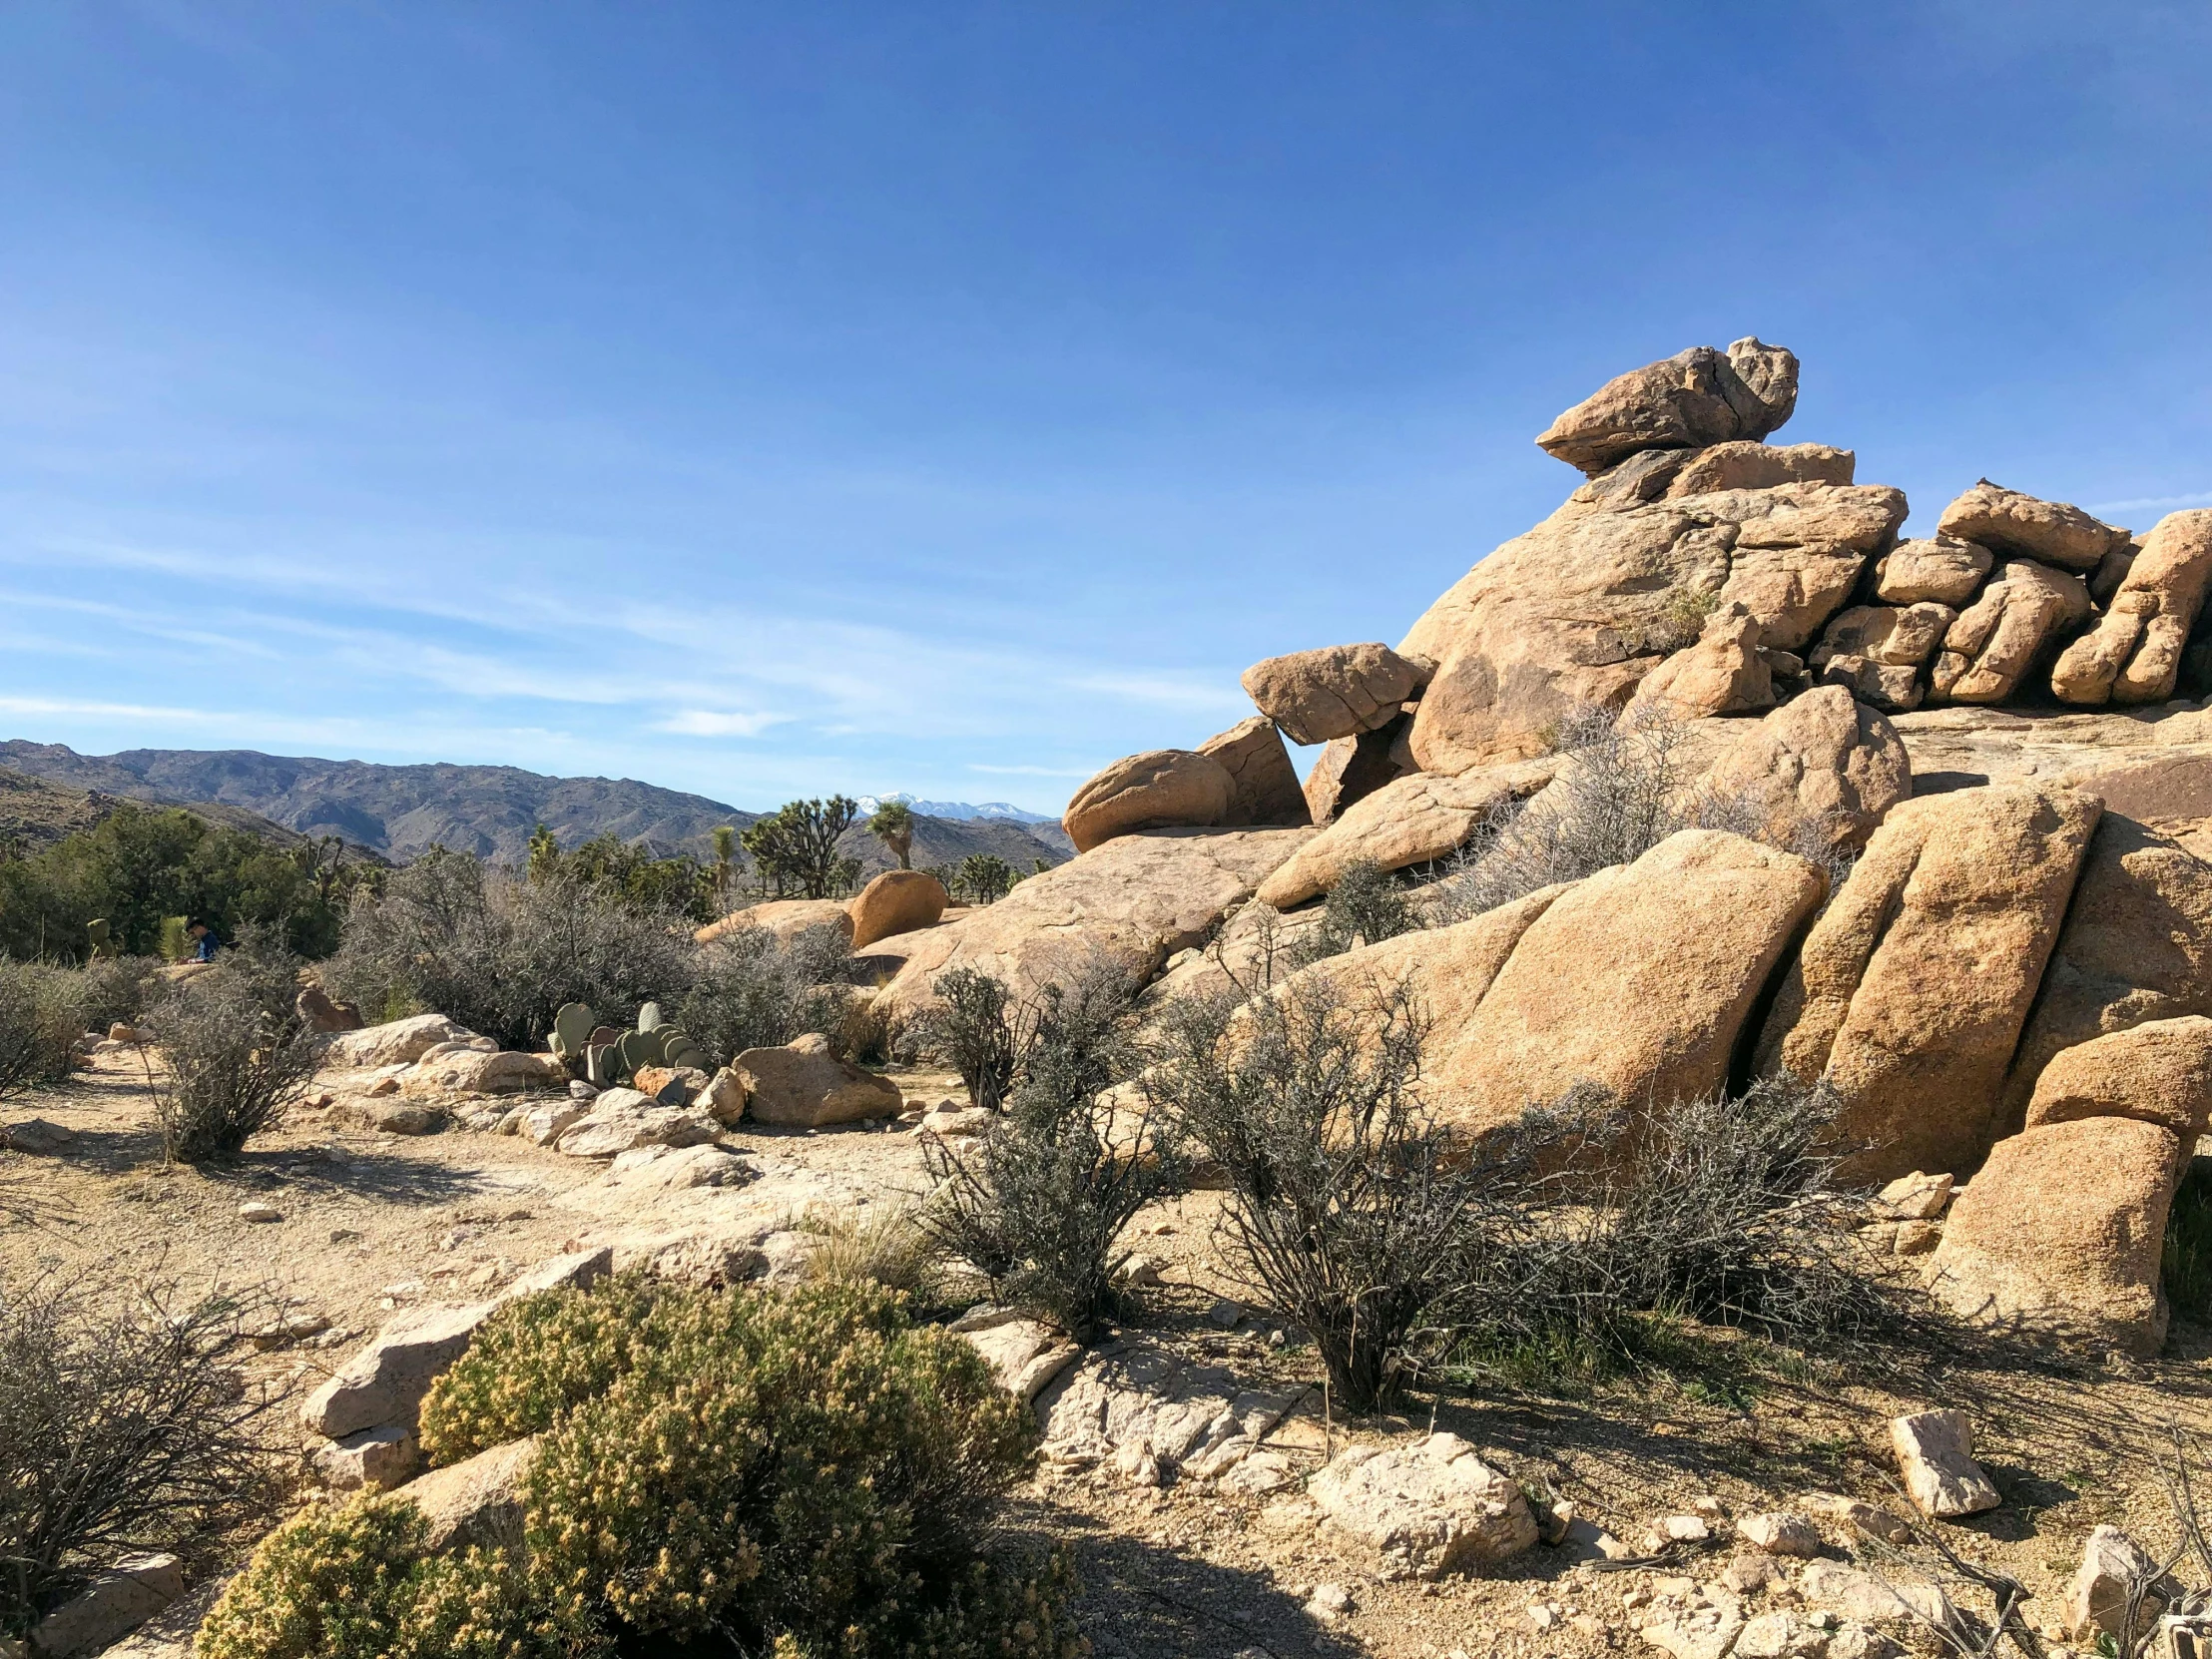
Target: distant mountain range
(400, 811)
(958, 809)
(35, 813)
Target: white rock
(1780, 1534)
(395, 1042)
(1862, 1596)
(113, 1605)
(376, 1458)
(259, 1212)
(1853, 1515)
(1429, 1508)
(1934, 1449)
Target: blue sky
(766, 400)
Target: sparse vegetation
(886, 1244)
(1365, 906)
(1040, 1202)
(750, 990)
(614, 870)
(806, 1473)
(981, 878)
(118, 1432)
(41, 1014)
(231, 1066)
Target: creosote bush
(753, 990)
(1039, 1202)
(120, 1432)
(738, 1473)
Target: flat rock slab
(1024, 1354)
(1429, 1508)
(113, 1605)
(1151, 1412)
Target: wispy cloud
(712, 722)
(116, 710)
(1028, 771)
(2155, 503)
(1173, 691)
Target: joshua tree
(798, 846)
(893, 825)
(726, 865)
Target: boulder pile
(2011, 981)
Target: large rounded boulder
(1162, 789)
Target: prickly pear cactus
(649, 1017)
(603, 1066)
(640, 1049)
(678, 1050)
(572, 1029)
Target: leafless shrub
(1039, 1203)
(230, 1066)
(1365, 906)
(120, 1432)
(41, 1017)
(751, 989)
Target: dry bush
(886, 1244)
(1365, 906)
(1038, 1204)
(231, 1066)
(120, 1432)
(41, 1017)
(750, 990)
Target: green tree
(893, 825)
(628, 873)
(984, 877)
(796, 847)
(726, 867)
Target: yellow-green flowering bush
(732, 1471)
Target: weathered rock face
(1988, 651)
(622, 1120)
(478, 1500)
(1696, 397)
(785, 919)
(1821, 758)
(1351, 769)
(897, 901)
(386, 1382)
(1913, 988)
(1159, 788)
(1722, 674)
(2159, 1073)
(1895, 636)
(2133, 653)
(2007, 521)
(1339, 691)
(2060, 1234)
(474, 1071)
(1127, 905)
(1415, 820)
(1760, 466)
(803, 1085)
(2136, 947)
(1638, 979)
(1428, 1508)
(1263, 785)
(396, 1042)
(1942, 570)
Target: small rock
(383, 1086)
(37, 1137)
(259, 1212)
(1780, 1534)
(1916, 1238)
(1139, 1269)
(113, 1605)
(1711, 1507)
(1934, 1449)
(376, 1459)
(1224, 1315)
(1769, 1636)
(1541, 1616)
(1428, 1508)
(578, 1089)
(2096, 1599)
(1874, 1521)
(1750, 1573)
(1328, 1602)
(1915, 1196)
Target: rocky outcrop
(1942, 570)
(396, 1042)
(1913, 988)
(1580, 609)
(897, 901)
(2158, 1073)
(1414, 820)
(1823, 760)
(1694, 398)
(1339, 691)
(477, 1501)
(1722, 674)
(1760, 466)
(1125, 907)
(1988, 651)
(1350, 769)
(1159, 788)
(785, 919)
(2007, 522)
(2133, 653)
(1428, 1508)
(803, 1085)
(1878, 651)
(1263, 787)
(2059, 1233)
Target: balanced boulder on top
(1696, 397)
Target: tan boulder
(1339, 691)
(786, 918)
(2007, 522)
(1264, 786)
(1428, 1507)
(1722, 674)
(2159, 1072)
(1257, 946)
(474, 1071)
(1578, 610)
(897, 901)
(802, 1085)
(477, 1501)
(2136, 946)
(1823, 759)
(2061, 1231)
(1696, 397)
(1160, 789)
(1997, 639)
(395, 1042)
(1884, 686)
(1127, 906)
(1348, 770)
(1900, 636)
(1638, 979)
(1911, 990)
(1940, 570)
(1414, 820)
(1760, 466)
(2133, 653)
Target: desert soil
(372, 1223)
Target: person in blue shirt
(203, 943)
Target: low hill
(399, 811)
(35, 813)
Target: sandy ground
(373, 1223)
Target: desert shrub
(1365, 906)
(805, 1473)
(118, 988)
(502, 956)
(1040, 1201)
(119, 1432)
(886, 1245)
(230, 1067)
(1352, 1212)
(981, 878)
(751, 990)
(41, 1017)
(976, 1027)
